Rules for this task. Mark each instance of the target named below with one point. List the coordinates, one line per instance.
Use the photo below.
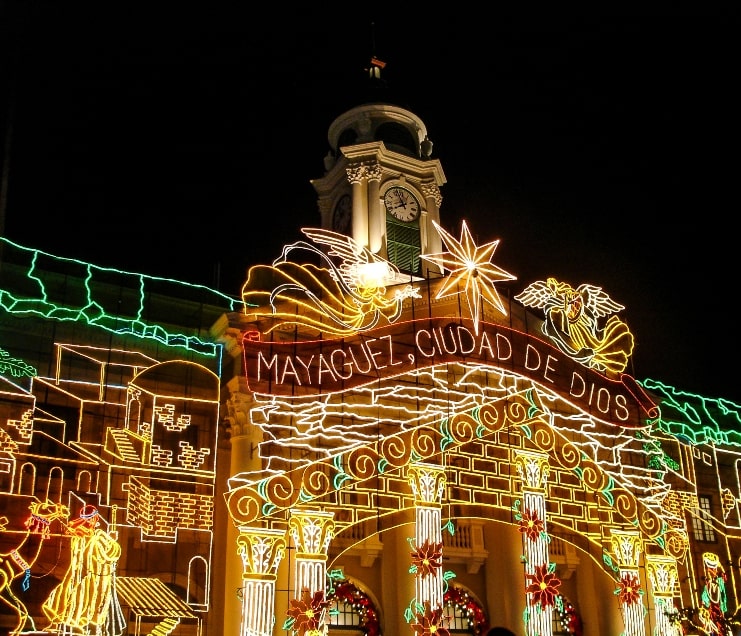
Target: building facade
(386, 433)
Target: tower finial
(374, 70)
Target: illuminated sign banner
(329, 366)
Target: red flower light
(530, 525)
(307, 612)
(429, 623)
(629, 591)
(544, 586)
(427, 558)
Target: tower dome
(380, 116)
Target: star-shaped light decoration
(470, 267)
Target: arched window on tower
(397, 138)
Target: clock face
(401, 203)
(342, 215)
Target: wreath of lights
(346, 591)
(477, 620)
(568, 616)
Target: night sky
(181, 143)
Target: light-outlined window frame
(702, 528)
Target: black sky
(181, 142)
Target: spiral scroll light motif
(543, 436)
(597, 480)
(570, 456)
(676, 543)
(626, 503)
(461, 428)
(519, 411)
(316, 482)
(280, 491)
(425, 443)
(395, 451)
(243, 504)
(650, 524)
(362, 463)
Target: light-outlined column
(627, 548)
(662, 573)
(356, 173)
(376, 226)
(431, 240)
(428, 485)
(311, 531)
(261, 550)
(540, 581)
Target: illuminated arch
(27, 479)
(198, 591)
(85, 481)
(54, 486)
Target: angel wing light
(572, 323)
(343, 293)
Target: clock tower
(381, 185)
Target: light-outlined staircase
(166, 627)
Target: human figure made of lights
(82, 599)
(714, 599)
